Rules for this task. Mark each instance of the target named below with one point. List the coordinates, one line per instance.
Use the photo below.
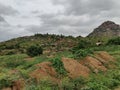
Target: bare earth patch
(74, 68)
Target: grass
(24, 65)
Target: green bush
(114, 41)
(83, 44)
(82, 53)
(34, 51)
(58, 65)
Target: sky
(68, 17)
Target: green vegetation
(58, 65)
(114, 41)
(82, 53)
(83, 44)
(15, 63)
(34, 51)
(100, 81)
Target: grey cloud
(7, 10)
(2, 19)
(64, 24)
(79, 7)
(79, 17)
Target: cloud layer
(68, 17)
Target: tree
(34, 51)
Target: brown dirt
(105, 56)
(6, 89)
(94, 64)
(44, 71)
(74, 68)
(18, 85)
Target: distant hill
(49, 42)
(106, 29)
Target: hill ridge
(106, 29)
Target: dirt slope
(44, 71)
(94, 64)
(74, 68)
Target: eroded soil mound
(44, 71)
(74, 68)
(105, 58)
(17, 85)
(93, 64)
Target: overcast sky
(68, 17)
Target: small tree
(34, 51)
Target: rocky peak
(109, 25)
(106, 29)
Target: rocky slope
(106, 29)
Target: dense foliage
(82, 53)
(114, 41)
(83, 44)
(34, 51)
(58, 65)
(82, 49)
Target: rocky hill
(106, 29)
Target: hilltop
(106, 29)
(49, 42)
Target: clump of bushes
(82, 53)
(114, 41)
(82, 49)
(83, 44)
(34, 51)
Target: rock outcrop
(106, 29)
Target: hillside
(106, 29)
(98, 71)
(50, 43)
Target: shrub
(79, 83)
(34, 51)
(58, 65)
(82, 45)
(114, 41)
(10, 53)
(82, 53)
(66, 84)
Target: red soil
(74, 68)
(105, 56)
(94, 64)
(44, 71)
